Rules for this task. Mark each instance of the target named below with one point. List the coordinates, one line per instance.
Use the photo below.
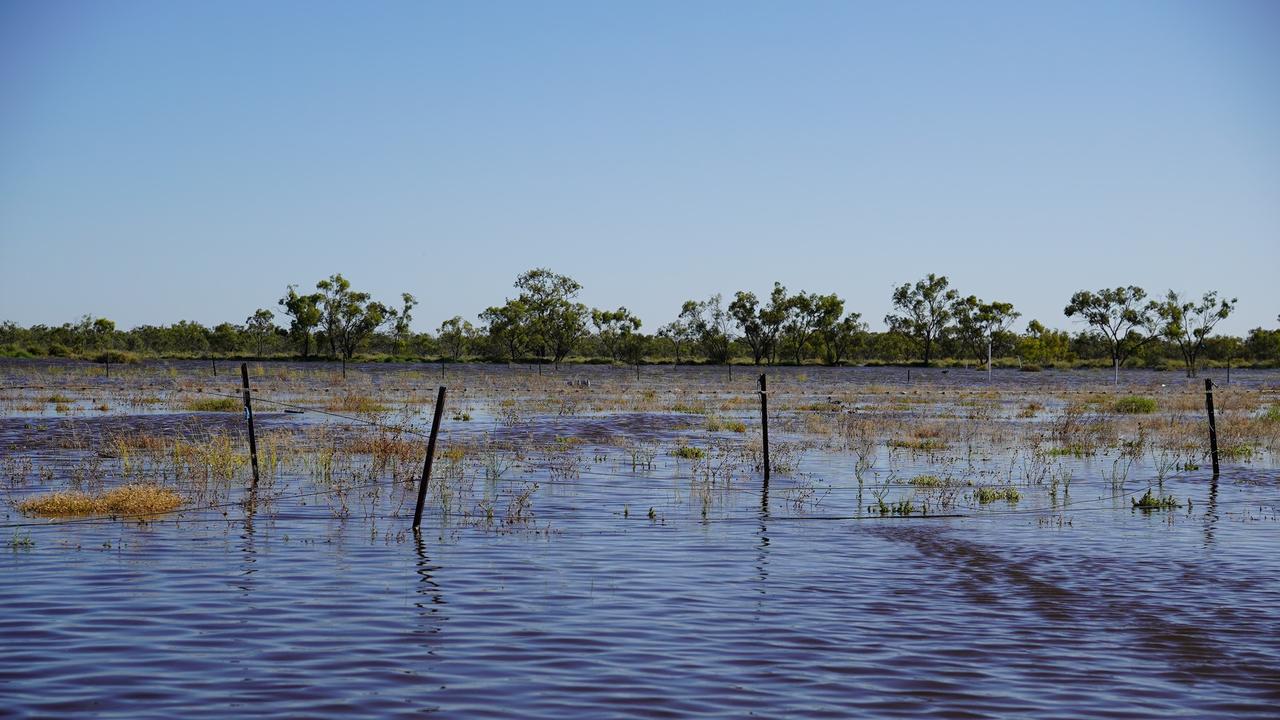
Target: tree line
(930, 322)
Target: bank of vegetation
(931, 323)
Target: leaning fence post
(248, 416)
(1213, 425)
(764, 423)
(426, 466)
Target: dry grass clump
(355, 403)
(136, 499)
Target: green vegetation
(118, 357)
(1155, 502)
(21, 542)
(715, 424)
(921, 444)
(219, 404)
(924, 312)
(986, 495)
(1135, 405)
(689, 452)
(931, 323)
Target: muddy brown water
(624, 595)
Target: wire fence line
(575, 481)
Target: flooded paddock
(597, 544)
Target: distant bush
(1030, 367)
(1135, 405)
(58, 350)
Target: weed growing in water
(217, 404)
(1149, 502)
(21, 542)
(689, 452)
(126, 500)
(985, 495)
(1135, 405)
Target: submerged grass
(213, 405)
(987, 495)
(1155, 502)
(135, 499)
(1135, 405)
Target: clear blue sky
(162, 161)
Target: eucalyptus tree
(1188, 323)
(826, 326)
(924, 311)
(977, 322)
(349, 317)
(634, 346)
(615, 328)
(403, 320)
(260, 327)
(1264, 344)
(1041, 345)
(508, 326)
(1120, 316)
(104, 331)
(454, 335)
(745, 311)
(304, 314)
(772, 317)
(679, 332)
(556, 323)
(710, 321)
(840, 337)
(224, 338)
(800, 325)
(758, 324)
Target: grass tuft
(688, 452)
(1135, 405)
(214, 405)
(1155, 502)
(989, 495)
(124, 500)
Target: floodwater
(633, 591)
